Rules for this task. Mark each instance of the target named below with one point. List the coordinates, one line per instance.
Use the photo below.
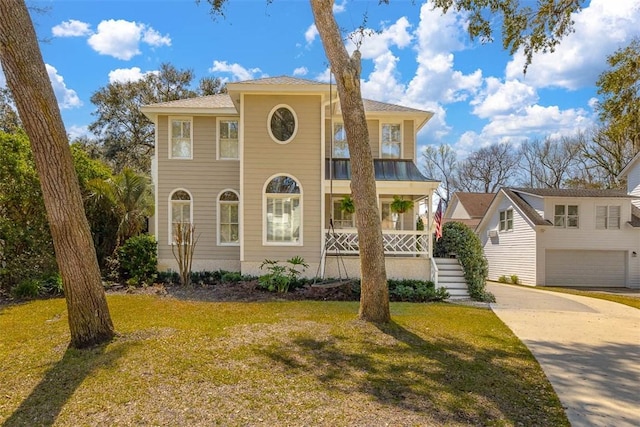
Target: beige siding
(512, 252)
(409, 141)
(204, 177)
(263, 158)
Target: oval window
(282, 124)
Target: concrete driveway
(588, 348)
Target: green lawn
(281, 363)
(631, 301)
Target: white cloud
(377, 44)
(238, 72)
(311, 34)
(499, 98)
(301, 71)
(600, 29)
(154, 38)
(339, 8)
(121, 39)
(71, 28)
(67, 98)
(122, 75)
(75, 131)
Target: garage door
(586, 268)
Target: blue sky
(419, 58)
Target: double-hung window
(228, 139)
(342, 219)
(283, 211)
(340, 146)
(565, 216)
(228, 223)
(506, 220)
(181, 138)
(391, 141)
(608, 217)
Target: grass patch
(278, 363)
(620, 299)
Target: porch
(407, 243)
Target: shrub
(415, 291)
(503, 279)
(52, 285)
(27, 289)
(514, 279)
(168, 277)
(138, 259)
(281, 278)
(231, 277)
(460, 240)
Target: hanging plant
(400, 205)
(346, 205)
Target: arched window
(283, 211)
(228, 223)
(180, 211)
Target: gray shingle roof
(476, 204)
(281, 80)
(570, 192)
(371, 105)
(525, 207)
(221, 100)
(385, 170)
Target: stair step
(451, 273)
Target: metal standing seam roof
(385, 170)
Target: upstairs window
(340, 145)
(282, 124)
(228, 223)
(565, 216)
(228, 140)
(391, 144)
(608, 217)
(180, 210)
(283, 211)
(181, 139)
(506, 220)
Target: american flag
(437, 218)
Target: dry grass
(271, 363)
(631, 301)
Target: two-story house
(563, 237)
(261, 171)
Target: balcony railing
(408, 243)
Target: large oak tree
(88, 314)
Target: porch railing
(409, 243)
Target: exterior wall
(374, 137)
(633, 182)
(536, 203)
(458, 211)
(409, 140)
(263, 158)
(204, 178)
(512, 252)
(586, 237)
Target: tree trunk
(374, 297)
(89, 319)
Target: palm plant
(130, 195)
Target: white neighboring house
(631, 173)
(563, 237)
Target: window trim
(171, 242)
(503, 224)
(333, 140)
(170, 133)
(295, 128)
(607, 217)
(566, 216)
(219, 120)
(218, 204)
(300, 196)
(401, 142)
